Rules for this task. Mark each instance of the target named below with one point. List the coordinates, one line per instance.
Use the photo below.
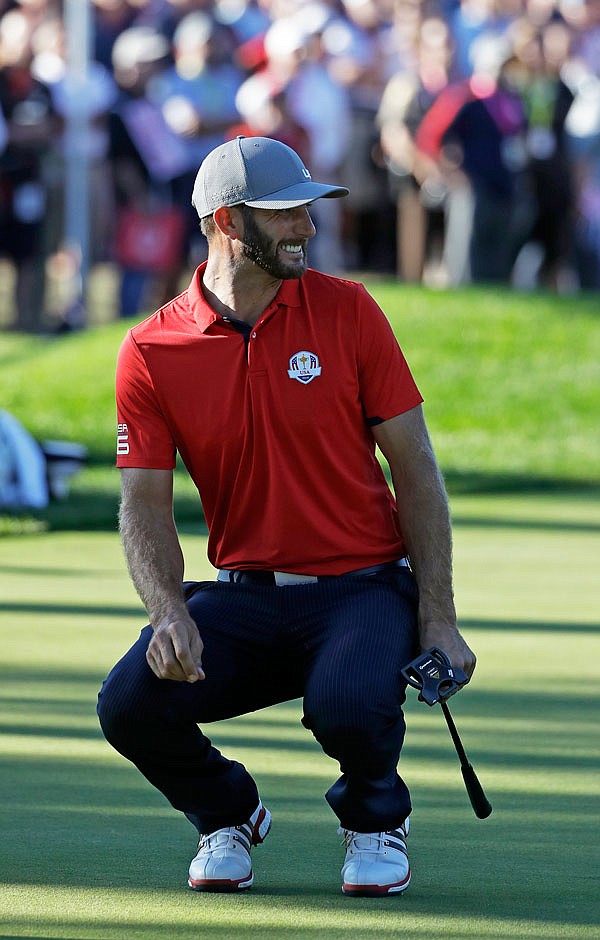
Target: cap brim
(300, 194)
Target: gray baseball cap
(258, 171)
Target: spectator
(49, 66)
(146, 156)
(583, 136)
(587, 228)
(244, 17)
(587, 39)
(359, 51)
(26, 107)
(296, 63)
(480, 128)
(197, 98)
(407, 98)
(543, 53)
(474, 23)
(111, 18)
(265, 113)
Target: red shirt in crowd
(272, 423)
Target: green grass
(91, 851)
(511, 381)
(511, 384)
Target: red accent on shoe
(377, 891)
(222, 884)
(256, 836)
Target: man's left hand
(449, 640)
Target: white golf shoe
(376, 862)
(223, 860)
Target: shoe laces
(227, 838)
(374, 842)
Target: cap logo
(304, 367)
(306, 173)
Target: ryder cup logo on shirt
(304, 366)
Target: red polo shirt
(273, 429)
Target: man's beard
(259, 248)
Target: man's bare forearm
(155, 562)
(154, 559)
(424, 518)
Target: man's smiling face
(276, 240)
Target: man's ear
(228, 220)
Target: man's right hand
(175, 651)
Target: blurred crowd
(467, 130)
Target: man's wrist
(437, 629)
(163, 617)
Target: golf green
(89, 850)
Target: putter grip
(480, 803)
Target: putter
(436, 679)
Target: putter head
(434, 676)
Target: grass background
(89, 850)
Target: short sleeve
(387, 387)
(143, 436)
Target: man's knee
(126, 699)
(357, 733)
(115, 713)
(125, 708)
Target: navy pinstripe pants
(339, 644)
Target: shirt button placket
(252, 337)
